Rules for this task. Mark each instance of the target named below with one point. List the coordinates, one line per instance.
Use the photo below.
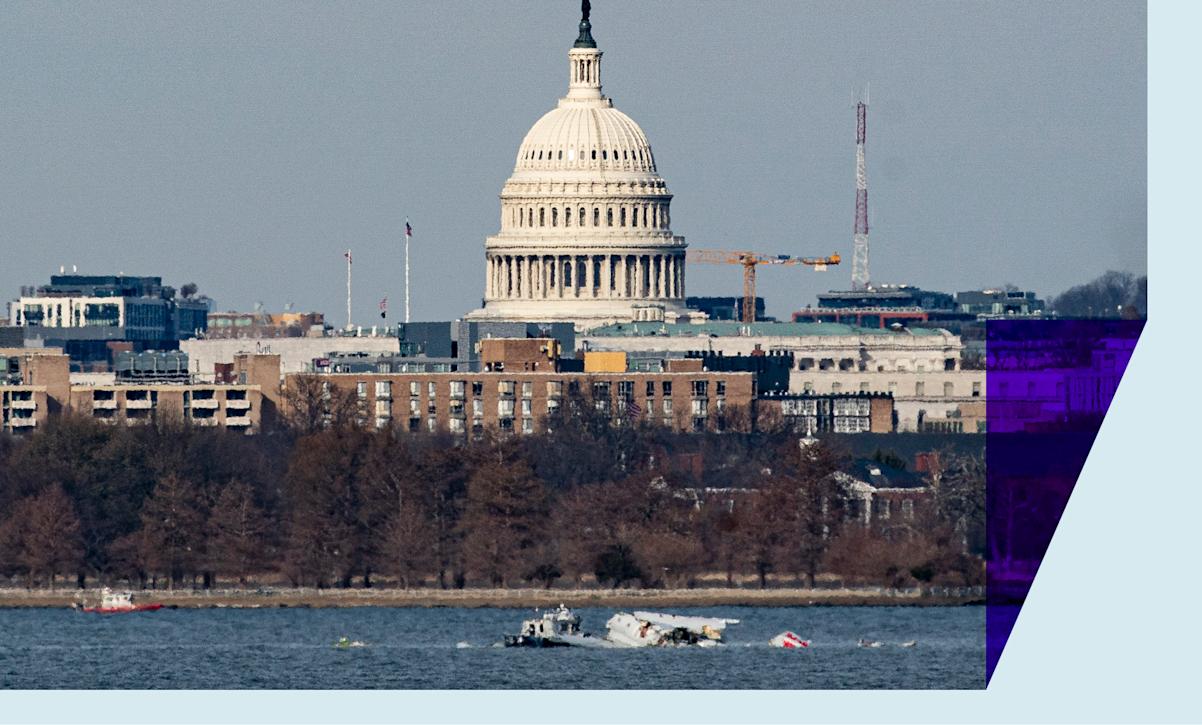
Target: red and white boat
(120, 603)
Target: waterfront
(469, 598)
(451, 648)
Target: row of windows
(605, 155)
(507, 407)
(505, 420)
(848, 364)
(920, 388)
(646, 216)
(510, 388)
(811, 406)
(458, 425)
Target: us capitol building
(585, 218)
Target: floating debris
(869, 643)
(789, 640)
(655, 629)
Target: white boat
(555, 628)
(655, 629)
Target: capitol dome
(585, 216)
(575, 137)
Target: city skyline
(245, 149)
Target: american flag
(408, 229)
(347, 254)
(384, 308)
(633, 410)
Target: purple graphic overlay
(1048, 386)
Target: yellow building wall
(604, 362)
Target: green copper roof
(585, 40)
(742, 329)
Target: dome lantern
(584, 60)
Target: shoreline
(504, 598)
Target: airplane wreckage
(561, 628)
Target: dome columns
(584, 73)
(621, 276)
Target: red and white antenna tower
(859, 256)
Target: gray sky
(243, 146)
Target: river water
(453, 648)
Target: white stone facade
(585, 218)
(935, 400)
(296, 353)
(859, 350)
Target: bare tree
(816, 500)
(324, 536)
(407, 549)
(313, 403)
(238, 529)
(173, 529)
(504, 517)
(959, 490)
(42, 535)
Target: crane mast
(860, 279)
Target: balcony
(235, 405)
(139, 404)
(241, 422)
(23, 422)
(104, 404)
(205, 422)
(206, 404)
(23, 405)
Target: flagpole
(349, 326)
(407, 270)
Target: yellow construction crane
(751, 260)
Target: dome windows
(571, 154)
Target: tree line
(588, 503)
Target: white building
(296, 353)
(816, 346)
(585, 220)
(947, 401)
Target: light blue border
(1111, 633)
